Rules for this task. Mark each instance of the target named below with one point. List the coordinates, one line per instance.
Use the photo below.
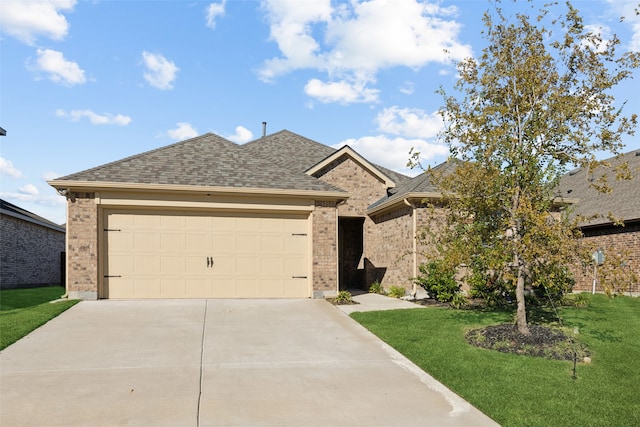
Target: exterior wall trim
(65, 187)
(353, 155)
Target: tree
(535, 103)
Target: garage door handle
(298, 277)
(209, 262)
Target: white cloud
(19, 197)
(49, 175)
(409, 122)
(94, 118)
(341, 91)
(627, 9)
(603, 32)
(60, 70)
(183, 131)
(353, 41)
(7, 168)
(407, 88)
(214, 11)
(29, 189)
(394, 153)
(241, 136)
(161, 72)
(25, 20)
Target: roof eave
(87, 186)
(393, 203)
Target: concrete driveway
(217, 363)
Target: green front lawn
(522, 390)
(23, 310)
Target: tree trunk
(521, 313)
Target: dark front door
(350, 249)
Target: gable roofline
(207, 135)
(406, 199)
(12, 210)
(64, 187)
(353, 155)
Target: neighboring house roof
(419, 187)
(623, 202)
(276, 161)
(12, 210)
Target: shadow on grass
(12, 299)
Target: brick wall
(325, 248)
(390, 255)
(612, 240)
(29, 254)
(363, 187)
(82, 249)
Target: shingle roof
(623, 202)
(276, 161)
(207, 160)
(420, 184)
(10, 209)
(297, 153)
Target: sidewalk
(377, 302)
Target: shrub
(344, 297)
(459, 300)
(438, 280)
(580, 300)
(396, 291)
(376, 288)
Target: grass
(522, 390)
(23, 310)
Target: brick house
(623, 203)
(31, 249)
(281, 216)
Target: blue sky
(84, 83)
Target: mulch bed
(335, 302)
(542, 341)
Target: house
(600, 212)
(32, 248)
(279, 217)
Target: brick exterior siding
(325, 249)
(391, 249)
(82, 249)
(30, 254)
(364, 189)
(612, 240)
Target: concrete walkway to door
(217, 363)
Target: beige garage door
(177, 255)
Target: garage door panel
(223, 243)
(168, 254)
(247, 243)
(173, 264)
(123, 264)
(197, 242)
(173, 242)
(144, 287)
(198, 288)
(172, 287)
(146, 241)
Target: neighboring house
(281, 216)
(600, 209)
(31, 249)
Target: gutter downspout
(414, 289)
